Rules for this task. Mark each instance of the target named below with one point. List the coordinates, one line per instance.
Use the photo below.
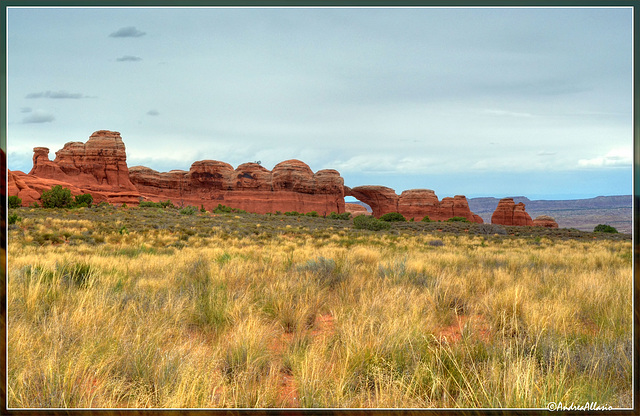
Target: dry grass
(183, 312)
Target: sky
(464, 101)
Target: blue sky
(474, 101)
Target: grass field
(150, 308)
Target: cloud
(25, 110)
(153, 113)
(129, 58)
(127, 32)
(620, 156)
(38, 116)
(545, 153)
(56, 95)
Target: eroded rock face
(509, 213)
(100, 164)
(545, 221)
(291, 186)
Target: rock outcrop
(290, 186)
(99, 167)
(414, 203)
(100, 164)
(545, 221)
(509, 213)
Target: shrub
(202, 208)
(458, 219)
(34, 205)
(336, 216)
(84, 200)
(325, 271)
(57, 197)
(13, 218)
(312, 214)
(426, 219)
(293, 213)
(221, 209)
(367, 222)
(188, 210)
(604, 228)
(491, 229)
(436, 243)
(392, 216)
(14, 202)
(124, 205)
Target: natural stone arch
(380, 198)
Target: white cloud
(621, 156)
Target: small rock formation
(509, 213)
(545, 221)
(414, 203)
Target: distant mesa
(99, 167)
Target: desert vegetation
(159, 307)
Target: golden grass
(139, 320)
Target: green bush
(426, 219)
(604, 228)
(368, 222)
(293, 213)
(202, 208)
(13, 218)
(188, 210)
(336, 216)
(57, 197)
(14, 201)
(312, 214)
(392, 216)
(223, 209)
(458, 219)
(84, 200)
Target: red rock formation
(380, 198)
(99, 167)
(291, 186)
(414, 203)
(509, 213)
(545, 221)
(100, 164)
